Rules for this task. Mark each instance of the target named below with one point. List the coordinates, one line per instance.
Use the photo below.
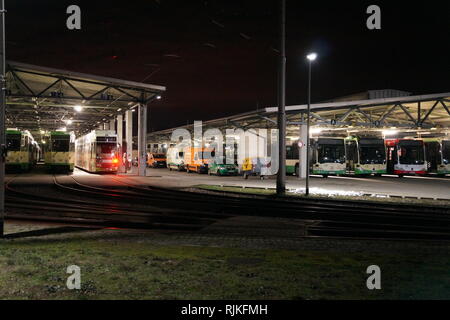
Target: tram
(22, 150)
(59, 151)
(406, 157)
(328, 156)
(97, 151)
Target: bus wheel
(377, 174)
(209, 173)
(187, 169)
(297, 170)
(325, 175)
(400, 176)
(170, 168)
(245, 176)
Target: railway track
(158, 208)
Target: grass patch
(272, 192)
(132, 269)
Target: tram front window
(13, 142)
(411, 154)
(331, 154)
(446, 152)
(372, 154)
(106, 148)
(60, 145)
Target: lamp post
(281, 175)
(311, 57)
(2, 113)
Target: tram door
(351, 150)
(432, 155)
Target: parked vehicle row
(200, 160)
(359, 156)
(367, 156)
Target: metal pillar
(281, 175)
(2, 114)
(303, 164)
(112, 124)
(120, 141)
(142, 139)
(129, 133)
(308, 118)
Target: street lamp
(311, 57)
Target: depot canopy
(41, 98)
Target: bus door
(433, 155)
(351, 152)
(391, 158)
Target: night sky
(217, 58)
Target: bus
(437, 154)
(328, 156)
(406, 157)
(98, 151)
(365, 156)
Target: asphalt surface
(422, 187)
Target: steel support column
(112, 124)
(303, 163)
(281, 175)
(129, 133)
(142, 139)
(120, 141)
(2, 114)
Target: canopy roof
(41, 98)
(419, 112)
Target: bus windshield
(60, 145)
(446, 152)
(331, 153)
(372, 154)
(411, 154)
(13, 142)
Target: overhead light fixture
(68, 121)
(315, 130)
(390, 132)
(78, 108)
(312, 56)
(158, 97)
